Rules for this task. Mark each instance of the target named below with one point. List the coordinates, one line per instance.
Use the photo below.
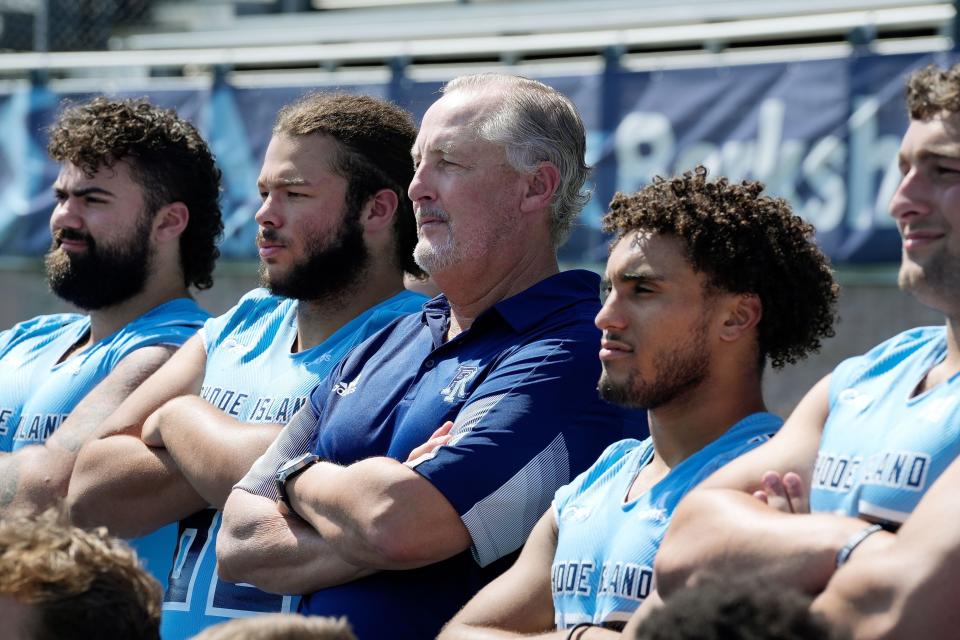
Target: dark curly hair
(744, 242)
(374, 139)
(736, 608)
(933, 90)
(167, 158)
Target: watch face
(295, 465)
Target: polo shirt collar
(528, 308)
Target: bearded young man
(135, 224)
(688, 326)
(336, 233)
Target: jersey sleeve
(47, 323)
(585, 480)
(850, 370)
(174, 326)
(215, 329)
(534, 421)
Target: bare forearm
(379, 513)
(212, 450)
(720, 531)
(277, 553)
(130, 488)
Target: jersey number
(195, 548)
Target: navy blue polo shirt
(520, 386)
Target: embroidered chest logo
(234, 345)
(346, 388)
(457, 388)
(854, 398)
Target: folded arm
(37, 476)
(275, 551)
(371, 515)
(795, 549)
(910, 587)
(119, 481)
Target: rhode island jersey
(882, 446)
(603, 566)
(37, 392)
(252, 375)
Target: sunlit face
(310, 244)
(926, 207)
(465, 194)
(655, 321)
(102, 247)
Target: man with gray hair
(503, 362)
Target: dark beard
(328, 272)
(677, 373)
(102, 276)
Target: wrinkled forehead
(455, 115)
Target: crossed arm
(36, 477)
(519, 603)
(778, 538)
(910, 588)
(164, 455)
(353, 520)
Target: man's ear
(379, 211)
(171, 221)
(541, 185)
(744, 312)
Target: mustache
(432, 212)
(268, 234)
(71, 234)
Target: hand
(786, 494)
(150, 433)
(439, 437)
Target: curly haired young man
(706, 282)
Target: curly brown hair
(744, 242)
(79, 584)
(374, 138)
(932, 90)
(167, 158)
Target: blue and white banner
(823, 134)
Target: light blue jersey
(882, 446)
(252, 375)
(37, 392)
(603, 566)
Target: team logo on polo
(457, 388)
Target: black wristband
(582, 628)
